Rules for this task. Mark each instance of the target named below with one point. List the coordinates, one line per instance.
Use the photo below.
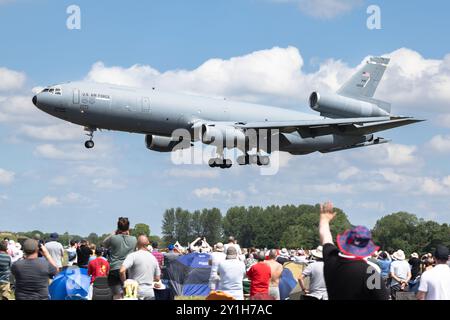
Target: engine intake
(161, 143)
(333, 105)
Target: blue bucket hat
(357, 242)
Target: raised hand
(327, 211)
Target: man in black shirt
(348, 276)
(83, 254)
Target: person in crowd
(93, 256)
(232, 272)
(98, 267)
(32, 273)
(414, 263)
(347, 275)
(55, 249)
(301, 257)
(171, 255)
(5, 272)
(400, 273)
(251, 258)
(216, 258)
(72, 253)
(428, 263)
(259, 275)
(120, 245)
(233, 243)
(384, 261)
(317, 287)
(83, 254)
(435, 283)
(283, 256)
(158, 255)
(275, 269)
(38, 238)
(200, 245)
(142, 267)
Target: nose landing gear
(89, 144)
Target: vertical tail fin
(365, 82)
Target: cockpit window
(53, 91)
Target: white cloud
(10, 79)
(57, 132)
(348, 173)
(216, 194)
(20, 109)
(276, 76)
(390, 154)
(68, 152)
(6, 177)
(191, 173)
(440, 143)
(324, 8)
(206, 192)
(69, 198)
(49, 201)
(332, 188)
(108, 184)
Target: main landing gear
(89, 144)
(220, 163)
(257, 159)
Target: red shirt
(159, 257)
(259, 275)
(98, 267)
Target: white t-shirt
(317, 286)
(216, 258)
(232, 273)
(56, 251)
(436, 283)
(400, 269)
(142, 266)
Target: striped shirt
(5, 267)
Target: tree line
(297, 227)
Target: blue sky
(49, 182)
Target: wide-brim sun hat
(318, 253)
(399, 255)
(357, 242)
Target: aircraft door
(76, 96)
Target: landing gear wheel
(219, 162)
(263, 161)
(89, 144)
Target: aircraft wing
(313, 128)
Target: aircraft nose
(35, 100)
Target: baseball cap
(30, 246)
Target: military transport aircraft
(348, 119)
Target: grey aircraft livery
(348, 118)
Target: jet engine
(333, 105)
(161, 143)
(227, 136)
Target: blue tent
(189, 275)
(70, 284)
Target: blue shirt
(385, 266)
